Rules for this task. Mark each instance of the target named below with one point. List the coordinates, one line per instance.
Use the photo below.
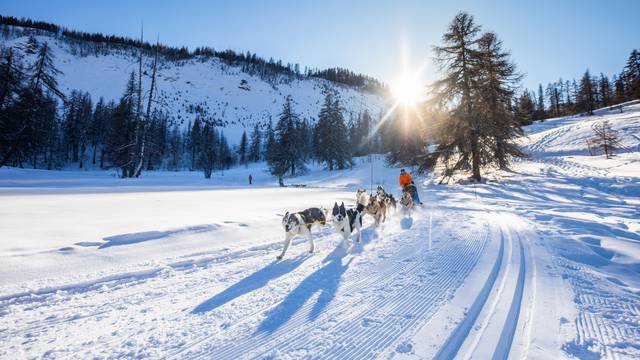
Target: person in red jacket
(406, 183)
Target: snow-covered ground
(542, 262)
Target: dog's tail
(325, 211)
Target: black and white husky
(300, 224)
(345, 221)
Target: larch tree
(458, 58)
(496, 83)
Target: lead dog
(346, 220)
(407, 202)
(300, 224)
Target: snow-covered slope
(542, 263)
(207, 86)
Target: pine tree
(606, 92)
(540, 110)
(98, 128)
(195, 143)
(12, 129)
(207, 151)
(586, 94)
(283, 153)
(525, 108)
(632, 72)
(10, 77)
(332, 134)
(496, 85)
(120, 137)
(458, 58)
(44, 72)
(242, 149)
(255, 144)
(620, 89)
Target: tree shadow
(324, 281)
(251, 283)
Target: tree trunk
(475, 156)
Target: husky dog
(377, 208)
(407, 202)
(388, 199)
(346, 220)
(300, 224)
(362, 197)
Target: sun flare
(407, 91)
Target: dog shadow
(368, 234)
(324, 281)
(251, 283)
(406, 222)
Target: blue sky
(548, 39)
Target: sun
(407, 91)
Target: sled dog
(377, 208)
(300, 223)
(362, 197)
(407, 202)
(388, 199)
(346, 220)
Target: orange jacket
(405, 180)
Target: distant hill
(234, 91)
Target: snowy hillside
(206, 86)
(542, 263)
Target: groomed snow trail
(374, 303)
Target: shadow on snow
(253, 282)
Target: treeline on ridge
(250, 62)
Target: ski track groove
(410, 299)
(511, 323)
(457, 337)
(484, 306)
(260, 346)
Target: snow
(209, 83)
(540, 262)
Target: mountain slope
(202, 85)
